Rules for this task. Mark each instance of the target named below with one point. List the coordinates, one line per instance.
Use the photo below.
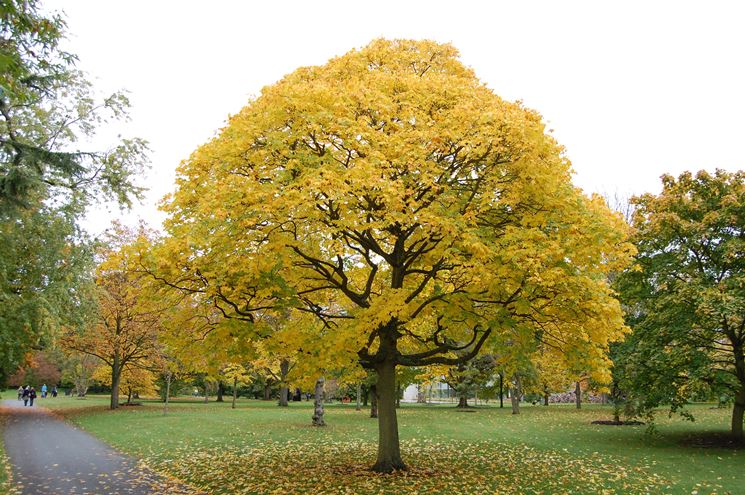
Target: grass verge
(6, 478)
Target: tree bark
(389, 451)
(359, 394)
(206, 393)
(284, 369)
(220, 391)
(578, 395)
(267, 392)
(462, 402)
(318, 404)
(129, 396)
(283, 396)
(235, 392)
(515, 395)
(545, 399)
(738, 411)
(398, 394)
(116, 374)
(615, 396)
(373, 401)
(81, 386)
(168, 393)
(515, 401)
(501, 390)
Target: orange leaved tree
(124, 330)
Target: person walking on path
(44, 391)
(20, 392)
(25, 395)
(32, 396)
(54, 391)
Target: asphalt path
(50, 456)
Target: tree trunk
(515, 400)
(318, 404)
(220, 391)
(616, 398)
(578, 395)
(129, 396)
(116, 374)
(235, 392)
(398, 394)
(373, 401)
(284, 369)
(206, 393)
(515, 395)
(267, 392)
(501, 390)
(283, 396)
(81, 386)
(168, 393)
(738, 411)
(462, 402)
(359, 394)
(389, 451)
(421, 397)
(545, 399)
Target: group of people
(27, 394)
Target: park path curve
(49, 456)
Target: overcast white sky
(632, 89)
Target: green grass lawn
(261, 448)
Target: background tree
(466, 378)
(47, 108)
(46, 105)
(686, 300)
(406, 206)
(128, 318)
(237, 375)
(78, 369)
(41, 367)
(552, 375)
(171, 371)
(44, 281)
(135, 380)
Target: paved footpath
(49, 456)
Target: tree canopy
(46, 106)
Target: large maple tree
(413, 212)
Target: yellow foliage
(133, 379)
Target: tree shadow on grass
(711, 440)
